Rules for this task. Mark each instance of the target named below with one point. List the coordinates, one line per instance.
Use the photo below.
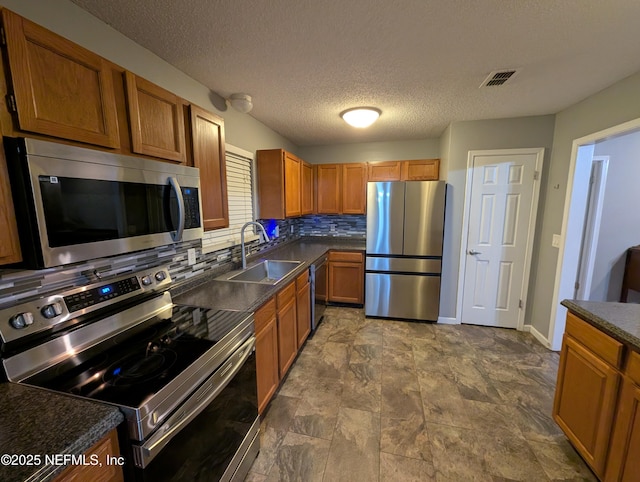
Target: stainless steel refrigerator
(405, 226)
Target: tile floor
(376, 400)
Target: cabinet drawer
(265, 313)
(302, 280)
(601, 344)
(348, 256)
(286, 295)
(633, 367)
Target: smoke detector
(499, 77)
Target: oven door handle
(176, 422)
(177, 235)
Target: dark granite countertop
(38, 422)
(619, 320)
(208, 292)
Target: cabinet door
(60, 88)
(303, 308)
(292, 182)
(103, 472)
(585, 401)
(267, 362)
(328, 188)
(306, 189)
(346, 277)
(9, 241)
(421, 170)
(207, 132)
(287, 338)
(354, 187)
(624, 455)
(156, 118)
(384, 171)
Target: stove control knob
(52, 310)
(146, 280)
(21, 320)
(161, 276)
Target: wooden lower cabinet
(597, 401)
(107, 447)
(585, 401)
(346, 277)
(282, 325)
(287, 322)
(303, 308)
(624, 455)
(266, 353)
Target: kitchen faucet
(244, 256)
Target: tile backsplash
(18, 285)
(354, 226)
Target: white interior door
(502, 206)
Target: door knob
(472, 252)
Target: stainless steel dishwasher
(319, 290)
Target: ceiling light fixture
(361, 117)
(241, 102)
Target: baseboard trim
(537, 335)
(444, 320)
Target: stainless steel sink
(267, 272)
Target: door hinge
(577, 285)
(3, 36)
(11, 103)
(536, 175)
(520, 304)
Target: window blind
(240, 197)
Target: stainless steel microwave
(74, 204)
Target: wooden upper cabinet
(156, 120)
(281, 183)
(416, 170)
(328, 188)
(207, 134)
(9, 241)
(341, 188)
(292, 184)
(384, 171)
(60, 89)
(306, 189)
(354, 188)
(421, 170)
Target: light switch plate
(191, 256)
(555, 242)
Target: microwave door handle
(177, 235)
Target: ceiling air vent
(498, 77)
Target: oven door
(213, 435)
(80, 204)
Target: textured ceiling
(420, 61)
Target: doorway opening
(575, 209)
(595, 200)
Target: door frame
(539, 152)
(593, 217)
(572, 221)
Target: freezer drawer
(411, 297)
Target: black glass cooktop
(131, 367)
